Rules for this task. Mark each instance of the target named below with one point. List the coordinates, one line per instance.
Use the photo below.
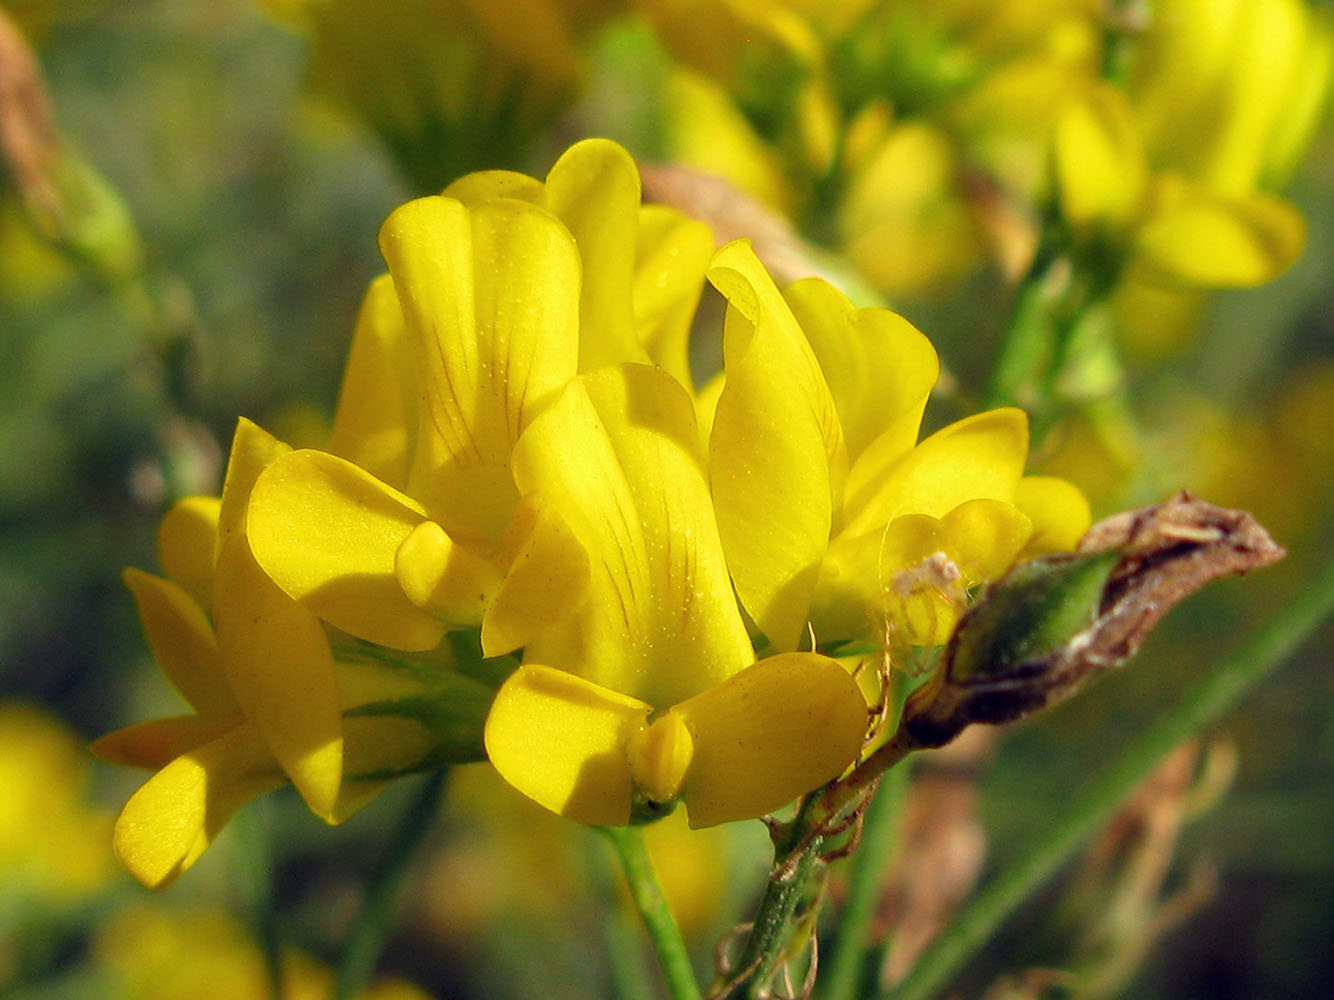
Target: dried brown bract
(1047, 627)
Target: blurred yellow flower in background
(152, 952)
(447, 85)
(52, 838)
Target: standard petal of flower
(279, 663)
(560, 740)
(879, 367)
(776, 455)
(375, 423)
(327, 532)
(1058, 510)
(159, 741)
(182, 641)
(672, 253)
(617, 457)
(169, 822)
(981, 456)
(186, 542)
(490, 296)
(1218, 242)
(594, 189)
(777, 730)
(547, 582)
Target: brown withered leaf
(1051, 624)
(1168, 552)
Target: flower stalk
(657, 914)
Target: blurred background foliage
(228, 165)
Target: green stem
(648, 897)
(630, 980)
(373, 921)
(773, 920)
(1028, 346)
(1203, 705)
(847, 966)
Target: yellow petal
(979, 457)
(1218, 242)
(777, 730)
(560, 740)
(159, 741)
(1058, 510)
(483, 184)
(985, 537)
(182, 641)
(617, 458)
(253, 448)
(1100, 164)
(901, 580)
(671, 255)
(170, 821)
(186, 543)
(453, 583)
(326, 532)
(546, 583)
(490, 297)
(375, 423)
(594, 189)
(879, 367)
(776, 455)
(281, 668)
(660, 755)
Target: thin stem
(648, 897)
(847, 965)
(630, 980)
(1203, 705)
(773, 920)
(373, 922)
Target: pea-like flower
(827, 505)
(650, 690)
(245, 656)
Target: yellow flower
(1173, 169)
(52, 840)
(499, 292)
(243, 664)
(823, 497)
(618, 457)
(146, 953)
(446, 83)
(1173, 229)
(1229, 93)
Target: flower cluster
(1159, 128)
(531, 536)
